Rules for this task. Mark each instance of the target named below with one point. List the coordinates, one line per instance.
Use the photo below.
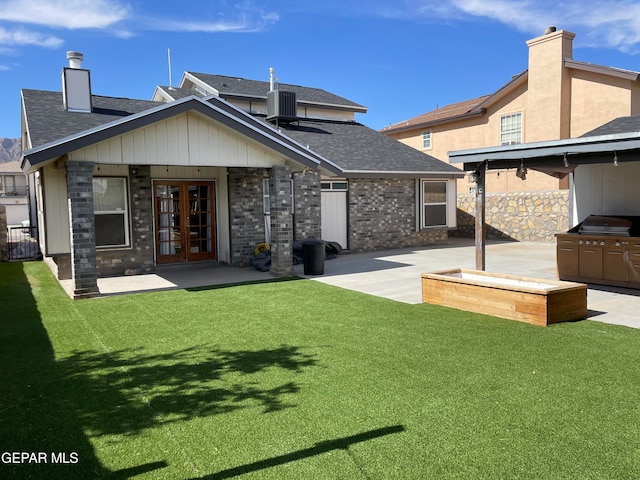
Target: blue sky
(399, 58)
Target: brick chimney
(549, 86)
(76, 85)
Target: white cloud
(22, 37)
(70, 14)
(208, 27)
(117, 18)
(613, 24)
(246, 17)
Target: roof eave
(479, 109)
(613, 72)
(471, 114)
(307, 103)
(504, 90)
(401, 174)
(206, 88)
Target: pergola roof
(616, 139)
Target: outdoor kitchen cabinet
(593, 253)
(567, 255)
(634, 262)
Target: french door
(185, 221)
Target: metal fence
(23, 243)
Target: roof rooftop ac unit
(282, 106)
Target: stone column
(142, 197)
(82, 228)
(281, 222)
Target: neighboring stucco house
(13, 192)
(209, 169)
(556, 98)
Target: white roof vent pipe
(273, 81)
(75, 59)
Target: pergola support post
(480, 230)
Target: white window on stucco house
(511, 129)
(426, 140)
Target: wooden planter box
(531, 300)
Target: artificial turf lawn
(300, 380)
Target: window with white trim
(511, 129)
(340, 185)
(7, 183)
(111, 209)
(433, 202)
(266, 199)
(426, 140)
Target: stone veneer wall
(527, 216)
(382, 215)
(246, 214)
(4, 248)
(307, 206)
(139, 258)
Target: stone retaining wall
(530, 216)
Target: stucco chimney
(76, 85)
(549, 86)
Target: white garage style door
(334, 211)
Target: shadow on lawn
(125, 392)
(318, 449)
(37, 411)
(52, 405)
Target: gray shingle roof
(177, 93)
(229, 86)
(216, 108)
(355, 147)
(351, 146)
(49, 121)
(618, 125)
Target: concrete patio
(395, 274)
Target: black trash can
(313, 257)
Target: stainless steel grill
(600, 225)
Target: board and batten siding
(189, 139)
(55, 210)
(604, 189)
(186, 147)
